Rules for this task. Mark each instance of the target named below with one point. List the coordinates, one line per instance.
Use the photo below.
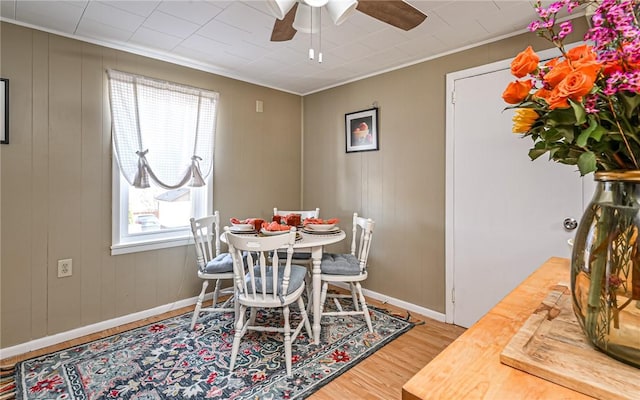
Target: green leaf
(561, 116)
(630, 103)
(584, 136)
(535, 153)
(579, 112)
(598, 132)
(594, 131)
(587, 162)
(567, 132)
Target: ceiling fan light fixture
(315, 3)
(340, 10)
(280, 8)
(302, 22)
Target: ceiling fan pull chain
(320, 36)
(311, 55)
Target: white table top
(308, 239)
(313, 240)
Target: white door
(505, 212)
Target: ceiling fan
(298, 15)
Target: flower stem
(624, 137)
(597, 270)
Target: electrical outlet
(65, 268)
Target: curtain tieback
(196, 175)
(141, 179)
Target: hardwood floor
(380, 376)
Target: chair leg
(305, 317)
(287, 339)
(308, 285)
(252, 316)
(196, 312)
(365, 310)
(216, 293)
(354, 296)
(236, 338)
(323, 296)
(308, 282)
(236, 307)
(309, 304)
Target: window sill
(135, 247)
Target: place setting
(245, 226)
(274, 228)
(319, 226)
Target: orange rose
(581, 53)
(611, 67)
(525, 63)
(591, 68)
(517, 91)
(552, 63)
(557, 73)
(557, 100)
(543, 93)
(632, 66)
(575, 85)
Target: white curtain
(162, 131)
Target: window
(154, 218)
(163, 135)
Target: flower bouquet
(582, 108)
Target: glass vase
(605, 267)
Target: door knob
(570, 224)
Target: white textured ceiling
(231, 38)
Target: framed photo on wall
(4, 111)
(361, 130)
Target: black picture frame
(361, 130)
(4, 111)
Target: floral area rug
(166, 360)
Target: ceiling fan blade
(283, 29)
(394, 12)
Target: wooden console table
(470, 367)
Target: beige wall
(56, 178)
(401, 186)
(56, 183)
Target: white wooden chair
(349, 268)
(212, 264)
(303, 213)
(263, 282)
(300, 256)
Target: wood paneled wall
(56, 177)
(56, 183)
(401, 186)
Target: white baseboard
(112, 323)
(438, 316)
(93, 328)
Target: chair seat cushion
(221, 264)
(340, 264)
(282, 255)
(296, 279)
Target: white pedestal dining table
(315, 243)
